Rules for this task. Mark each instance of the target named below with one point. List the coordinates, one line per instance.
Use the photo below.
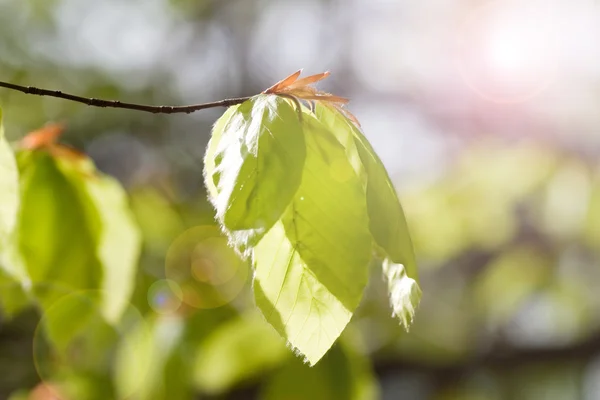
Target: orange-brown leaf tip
(284, 82)
(308, 80)
(42, 137)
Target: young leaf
(75, 230)
(12, 276)
(386, 217)
(311, 267)
(210, 176)
(56, 248)
(116, 235)
(9, 193)
(255, 166)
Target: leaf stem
(118, 104)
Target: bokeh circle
(165, 296)
(208, 271)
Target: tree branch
(118, 104)
(498, 359)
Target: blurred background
(486, 114)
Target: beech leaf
(312, 266)
(253, 166)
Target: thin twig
(118, 104)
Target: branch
(117, 104)
(498, 359)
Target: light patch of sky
(290, 36)
(114, 35)
(412, 150)
(571, 101)
(205, 69)
(402, 45)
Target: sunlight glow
(508, 50)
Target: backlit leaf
(57, 250)
(12, 296)
(9, 193)
(312, 266)
(211, 150)
(116, 235)
(386, 217)
(75, 231)
(387, 222)
(255, 166)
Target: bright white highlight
(517, 46)
(509, 50)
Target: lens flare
(507, 51)
(209, 273)
(165, 296)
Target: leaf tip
(43, 137)
(405, 293)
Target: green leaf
(12, 295)
(387, 222)
(75, 231)
(57, 249)
(9, 189)
(237, 351)
(210, 175)
(342, 374)
(116, 236)
(254, 165)
(386, 217)
(311, 267)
